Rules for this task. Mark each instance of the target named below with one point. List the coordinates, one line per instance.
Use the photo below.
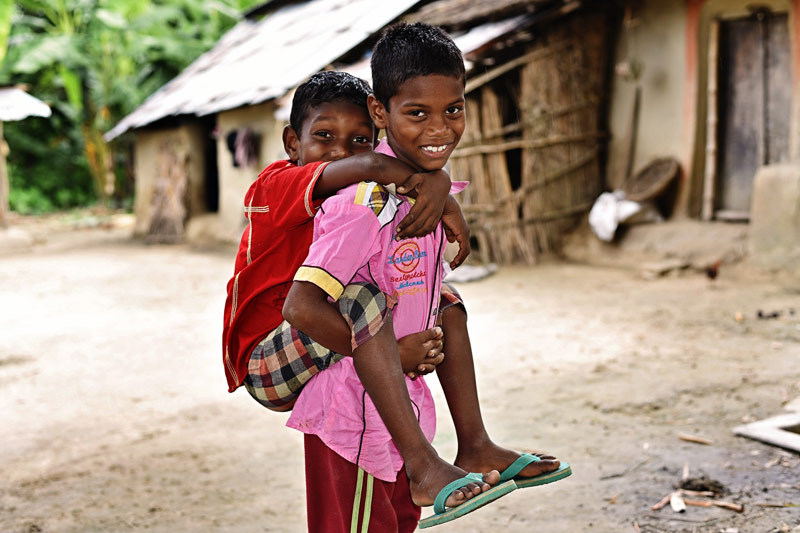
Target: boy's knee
(455, 309)
(365, 308)
(270, 398)
(280, 408)
(360, 298)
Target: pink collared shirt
(354, 241)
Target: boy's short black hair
(406, 51)
(325, 87)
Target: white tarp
(16, 104)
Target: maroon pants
(342, 498)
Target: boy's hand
(431, 190)
(421, 353)
(456, 229)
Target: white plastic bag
(612, 209)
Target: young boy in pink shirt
(329, 142)
(361, 424)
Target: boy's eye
(452, 110)
(323, 134)
(417, 113)
(360, 139)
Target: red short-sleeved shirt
(280, 210)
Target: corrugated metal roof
(16, 104)
(467, 42)
(460, 14)
(258, 60)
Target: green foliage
(51, 176)
(29, 201)
(93, 62)
(6, 8)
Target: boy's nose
(339, 152)
(437, 128)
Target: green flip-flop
(443, 515)
(522, 482)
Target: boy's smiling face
(425, 120)
(331, 131)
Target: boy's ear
(291, 143)
(377, 112)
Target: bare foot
(421, 352)
(427, 478)
(490, 456)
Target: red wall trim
(795, 17)
(691, 88)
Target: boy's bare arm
(364, 166)
(307, 309)
(430, 189)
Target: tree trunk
(98, 155)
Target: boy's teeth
(434, 148)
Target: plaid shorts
(287, 358)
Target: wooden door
(754, 106)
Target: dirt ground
(116, 417)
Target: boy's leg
(377, 363)
(476, 451)
(343, 498)
(286, 359)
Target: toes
(477, 489)
(473, 489)
(457, 497)
(470, 490)
(492, 478)
(540, 467)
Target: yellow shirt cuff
(321, 279)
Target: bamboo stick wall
(558, 87)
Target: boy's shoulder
(367, 195)
(269, 172)
(286, 166)
(275, 167)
